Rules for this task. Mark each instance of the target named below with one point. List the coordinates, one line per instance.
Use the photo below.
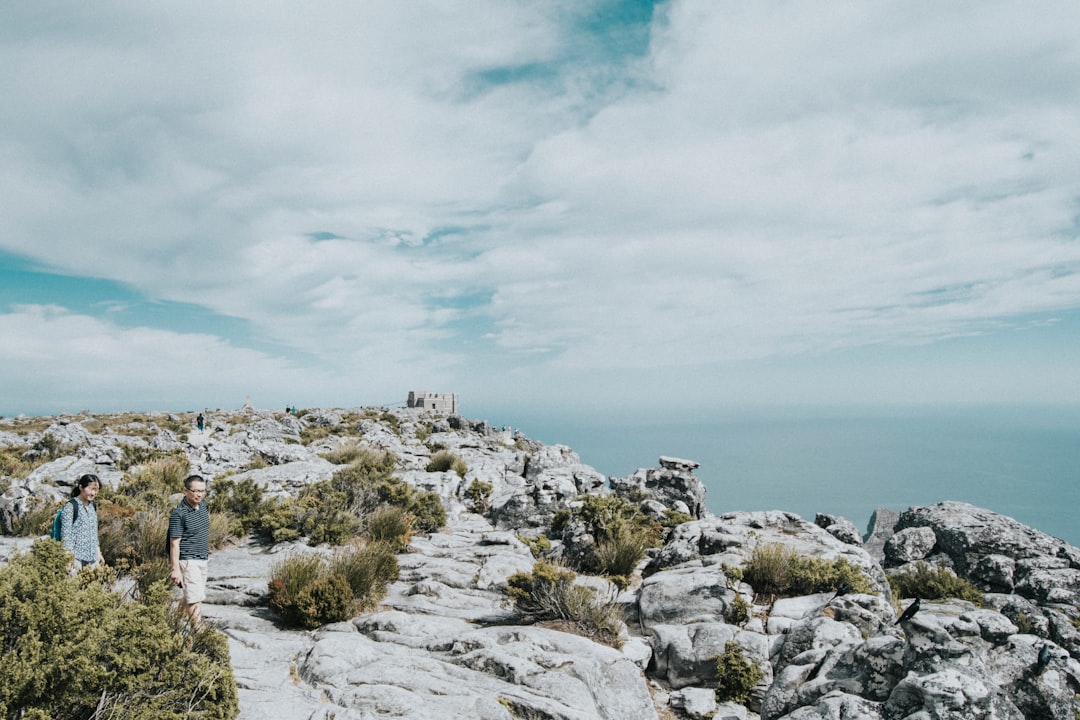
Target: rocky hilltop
(446, 643)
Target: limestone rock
(909, 545)
(840, 528)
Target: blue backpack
(57, 523)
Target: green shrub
(369, 483)
(72, 649)
(368, 569)
(13, 464)
(674, 518)
(133, 455)
(281, 520)
(37, 520)
(391, 525)
(444, 460)
(737, 676)
(479, 496)
(550, 593)
(928, 582)
(350, 452)
(362, 479)
(737, 611)
(324, 518)
(538, 544)
(241, 499)
(150, 485)
(619, 553)
(428, 512)
(622, 533)
(129, 538)
(311, 590)
(320, 513)
(288, 578)
(774, 569)
(51, 447)
(327, 600)
(559, 519)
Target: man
(189, 547)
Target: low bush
(736, 675)
(242, 499)
(674, 518)
(311, 590)
(929, 582)
(538, 544)
(13, 464)
(368, 569)
(391, 525)
(550, 592)
(350, 452)
(369, 483)
(775, 569)
(621, 550)
(737, 611)
(622, 534)
(37, 520)
(150, 485)
(444, 460)
(478, 495)
(72, 649)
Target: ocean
(1023, 462)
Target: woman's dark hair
(87, 479)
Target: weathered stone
(908, 545)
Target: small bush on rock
(242, 499)
(391, 525)
(479, 496)
(619, 553)
(737, 611)
(150, 485)
(368, 569)
(538, 544)
(774, 569)
(926, 581)
(623, 534)
(444, 460)
(550, 592)
(737, 675)
(311, 590)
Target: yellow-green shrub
(929, 582)
(775, 569)
(72, 649)
(311, 590)
(737, 675)
(444, 460)
(550, 593)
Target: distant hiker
(200, 421)
(79, 524)
(189, 546)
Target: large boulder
(979, 545)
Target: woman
(79, 530)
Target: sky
(564, 206)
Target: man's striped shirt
(192, 526)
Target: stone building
(433, 402)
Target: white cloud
(768, 181)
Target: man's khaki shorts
(194, 572)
